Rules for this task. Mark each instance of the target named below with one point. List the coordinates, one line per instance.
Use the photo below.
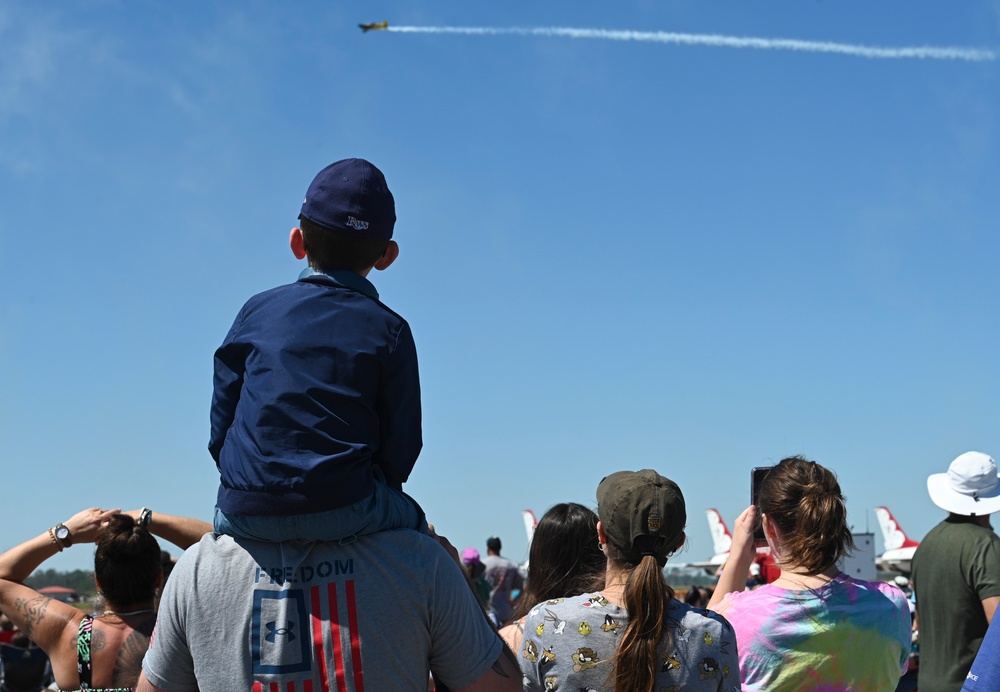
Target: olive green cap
(633, 504)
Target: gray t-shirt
(570, 644)
(503, 576)
(387, 609)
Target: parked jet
(529, 523)
(373, 26)
(722, 541)
(899, 547)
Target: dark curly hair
(127, 562)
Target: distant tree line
(79, 580)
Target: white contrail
(861, 51)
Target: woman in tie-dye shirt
(814, 628)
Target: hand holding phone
(757, 476)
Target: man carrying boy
(316, 409)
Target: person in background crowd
(504, 577)
(7, 629)
(956, 571)
(564, 560)
(474, 570)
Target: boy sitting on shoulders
(316, 408)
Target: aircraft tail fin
(529, 523)
(722, 540)
(892, 535)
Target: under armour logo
(274, 631)
(357, 224)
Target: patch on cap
(638, 505)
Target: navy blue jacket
(314, 384)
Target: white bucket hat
(971, 486)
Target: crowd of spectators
(319, 572)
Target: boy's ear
(388, 257)
(297, 242)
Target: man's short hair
(330, 250)
(493, 543)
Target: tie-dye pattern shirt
(846, 635)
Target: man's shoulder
(931, 539)
(498, 561)
(401, 542)
(949, 532)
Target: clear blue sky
(613, 254)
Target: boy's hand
(446, 544)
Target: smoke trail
(861, 51)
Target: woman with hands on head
(814, 627)
(103, 652)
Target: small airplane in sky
(899, 547)
(373, 26)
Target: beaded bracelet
(55, 539)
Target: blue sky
(613, 254)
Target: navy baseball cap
(351, 196)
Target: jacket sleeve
(230, 365)
(399, 412)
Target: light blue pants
(384, 510)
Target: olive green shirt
(955, 568)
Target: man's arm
(146, 686)
(503, 676)
(990, 607)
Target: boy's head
(347, 219)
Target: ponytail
(646, 599)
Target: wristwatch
(63, 534)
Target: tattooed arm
(20, 561)
(42, 619)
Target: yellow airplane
(365, 28)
